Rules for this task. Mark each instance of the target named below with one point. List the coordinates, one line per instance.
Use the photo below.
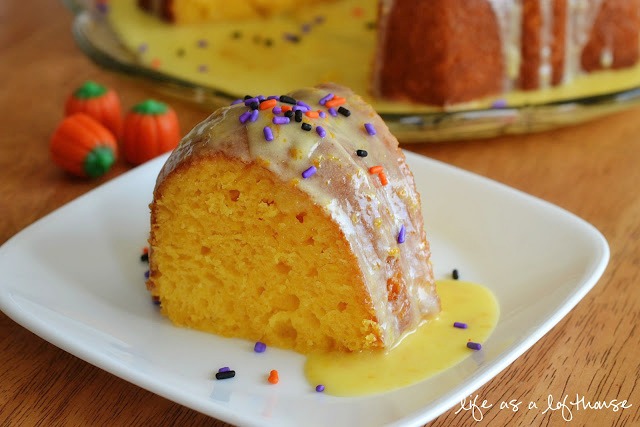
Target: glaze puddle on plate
(75, 279)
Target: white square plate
(75, 279)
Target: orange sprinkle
(145, 250)
(269, 103)
(273, 377)
(335, 102)
(312, 114)
(286, 108)
(375, 169)
(155, 63)
(383, 178)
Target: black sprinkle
(344, 111)
(306, 126)
(370, 25)
(455, 274)
(254, 105)
(236, 34)
(298, 115)
(288, 113)
(268, 42)
(287, 99)
(181, 52)
(362, 153)
(247, 97)
(225, 375)
(155, 299)
(144, 257)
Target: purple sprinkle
(224, 369)
(254, 115)
(474, 345)
(333, 112)
(370, 129)
(245, 116)
(499, 103)
(202, 68)
(460, 325)
(237, 101)
(273, 97)
(260, 347)
(321, 131)
(309, 172)
(102, 7)
(319, 388)
(291, 37)
(322, 114)
(143, 48)
(277, 110)
(280, 120)
(156, 300)
(268, 133)
(146, 274)
(261, 98)
(324, 99)
(402, 234)
(305, 28)
(202, 43)
(304, 104)
(302, 108)
(319, 19)
(250, 101)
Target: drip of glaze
(434, 347)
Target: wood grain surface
(592, 170)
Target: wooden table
(592, 170)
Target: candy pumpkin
(99, 102)
(150, 129)
(83, 146)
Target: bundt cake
(293, 220)
(451, 51)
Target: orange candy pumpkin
(99, 102)
(83, 146)
(151, 128)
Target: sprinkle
(319, 388)
(181, 52)
(236, 34)
(402, 234)
(289, 114)
(246, 97)
(273, 377)
(142, 48)
(237, 101)
(344, 111)
(320, 131)
(322, 114)
(312, 114)
(249, 101)
(146, 274)
(155, 299)
(333, 112)
(303, 104)
(261, 98)
(202, 43)
(370, 129)
(279, 120)
(291, 37)
(144, 257)
(301, 108)
(145, 250)
(155, 63)
(265, 105)
(276, 97)
(268, 133)
(383, 178)
(254, 115)
(286, 108)
(254, 105)
(474, 345)
(499, 103)
(298, 116)
(102, 7)
(305, 28)
(324, 99)
(225, 375)
(309, 172)
(224, 369)
(245, 116)
(335, 102)
(455, 274)
(460, 325)
(375, 169)
(306, 126)
(362, 153)
(260, 347)
(277, 110)
(287, 99)
(202, 68)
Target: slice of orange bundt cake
(293, 220)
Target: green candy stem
(98, 161)
(151, 107)
(90, 89)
